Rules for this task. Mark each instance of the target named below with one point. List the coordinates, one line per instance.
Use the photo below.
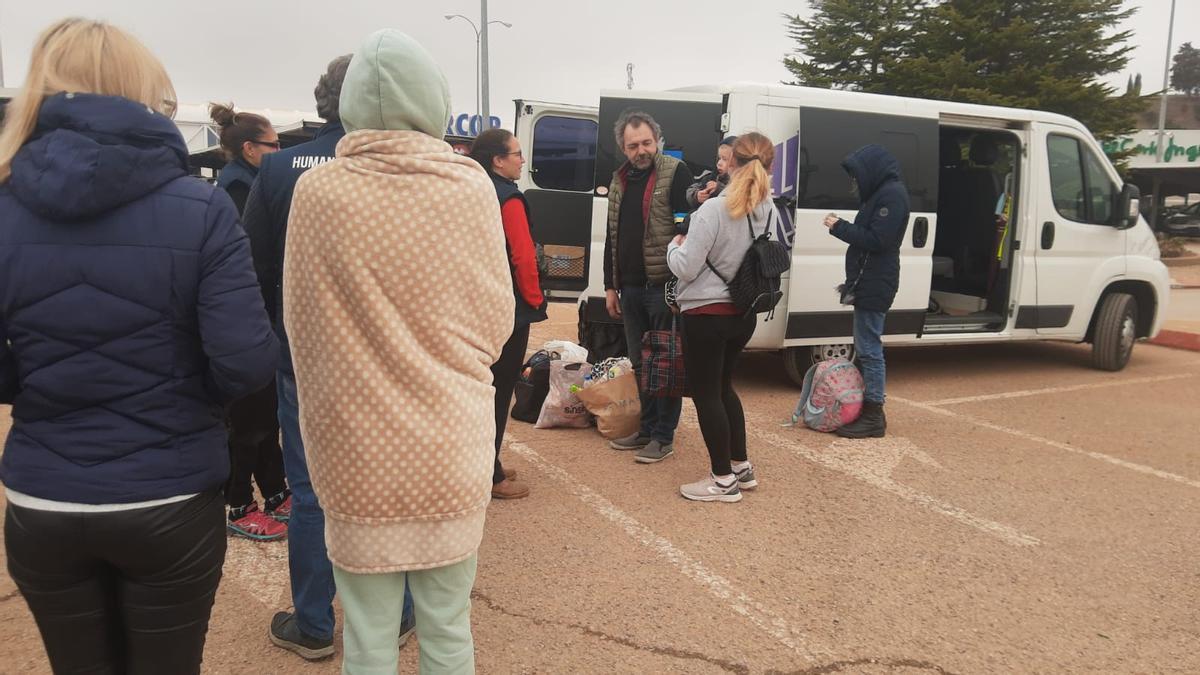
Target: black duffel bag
(532, 388)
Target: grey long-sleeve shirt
(722, 240)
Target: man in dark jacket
(308, 630)
(872, 270)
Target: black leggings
(120, 592)
(254, 448)
(711, 345)
(505, 374)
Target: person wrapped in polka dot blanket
(397, 300)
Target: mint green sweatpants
(442, 604)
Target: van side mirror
(1125, 215)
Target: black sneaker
(286, 633)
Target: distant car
(1183, 222)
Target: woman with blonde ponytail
(129, 315)
(714, 330)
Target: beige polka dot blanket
(397, 300)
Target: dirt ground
(1025, 514)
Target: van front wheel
(1115, 333)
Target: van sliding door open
(820, 185)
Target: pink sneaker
(282, 512)
(256, 525)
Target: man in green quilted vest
(646, 193)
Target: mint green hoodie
(393, 84)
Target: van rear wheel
(819, 353)
(797, 360)
(1115, 332)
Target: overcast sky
(269, 53)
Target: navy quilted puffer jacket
(129, 310)
(877, 233)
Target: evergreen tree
(850, 44)
(1185, 70)
(1043, 54)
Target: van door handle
(1047, 235)
(920, 232)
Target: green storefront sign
(1190, 152)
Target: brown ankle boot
(509, 489)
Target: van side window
(1081, 188)
(1066, 177)
(1101, 190)
(828, 136)
(691, 131)
(564, 153)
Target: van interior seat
(951, 209)
(982, 192)
(943, 267)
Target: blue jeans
(643, 309)
(868, 343)
(308, 562)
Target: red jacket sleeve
(520, 246)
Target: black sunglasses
(273, 144)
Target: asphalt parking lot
(1025, 514)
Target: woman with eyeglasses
(253, 421)
(499, 153)
(245, 138)
(129, 315)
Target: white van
(1075, 261)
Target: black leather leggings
(254, 448)
(505, 373)
(126, 592)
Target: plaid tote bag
(663, 374)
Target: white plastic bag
(565, 350)
(562, 407)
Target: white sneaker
(707, 489)
(746, 479)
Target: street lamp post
(1162, 121)
(481, 72)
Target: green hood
(393, 84)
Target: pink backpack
(832, 396)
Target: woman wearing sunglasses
(253, 421)
(245, 138)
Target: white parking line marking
(1100, 456)
(1058, 390)
(857, 461)
(774, 625)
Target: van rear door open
(691, 131)
(559, 142)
